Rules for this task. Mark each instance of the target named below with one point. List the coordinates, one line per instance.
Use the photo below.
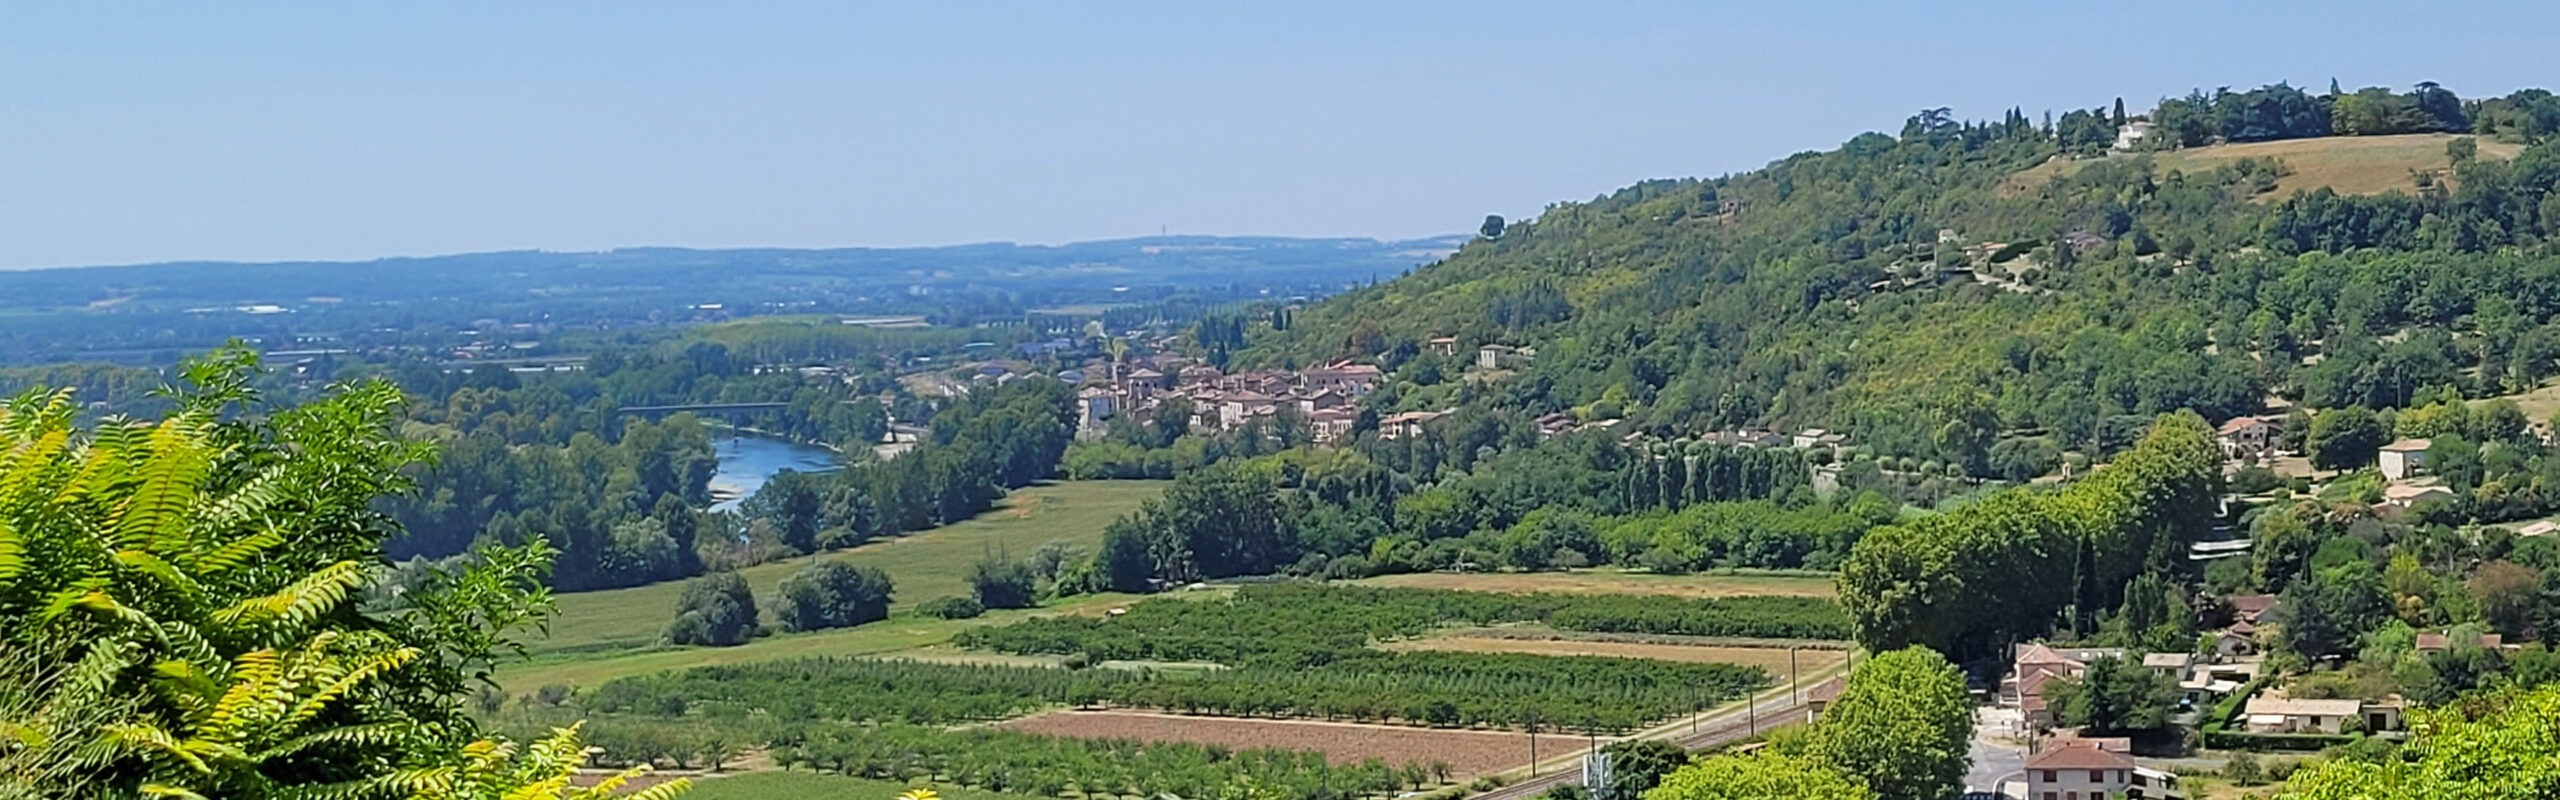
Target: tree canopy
(179, 599)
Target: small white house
(2270, 714)
(2403, 458)
(2132, 133)
(2398, 498)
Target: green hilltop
(2068, 279)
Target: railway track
(1724, 730)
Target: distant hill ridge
(1155, 258)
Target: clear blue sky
(146, 132)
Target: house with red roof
(2093, 769)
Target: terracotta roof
(2440, 641)
(2040, 654)
(2238, 424)
(2080, 756)
(2407, 446)
(2251, 605)
(2112, 744)
(2032, 683)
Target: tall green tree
(716, 609)
(2116, 696)
(832, 594)
(790, 501)
(2344, 438)
(1761, 776)
(1903, 723)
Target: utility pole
(1795, 676)
(1533, 744)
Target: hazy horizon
(280, 133)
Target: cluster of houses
(2066, 766)
(1326, 397)
(2402, 463)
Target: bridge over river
(703, 409)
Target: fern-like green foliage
(196, 575)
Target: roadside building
(2092, 769)
(1821, 696)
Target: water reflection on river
(746, 461)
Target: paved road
(1997, 755)
(1711, 731)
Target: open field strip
(929, 564)
(898, 633)
(1706, 586)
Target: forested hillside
(1912, 290)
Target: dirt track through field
(1469, 753)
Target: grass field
(924, 566)
(2346, 164)
(1469, 753)
(884, 638)
(806, 785)
(1773, 660)
(2538, 403)
(1607, 582)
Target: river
(746, 461)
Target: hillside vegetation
(1891, 288)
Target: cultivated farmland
(806, 785)
(1610, 582)
(1774, 660)
(1468, 753)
